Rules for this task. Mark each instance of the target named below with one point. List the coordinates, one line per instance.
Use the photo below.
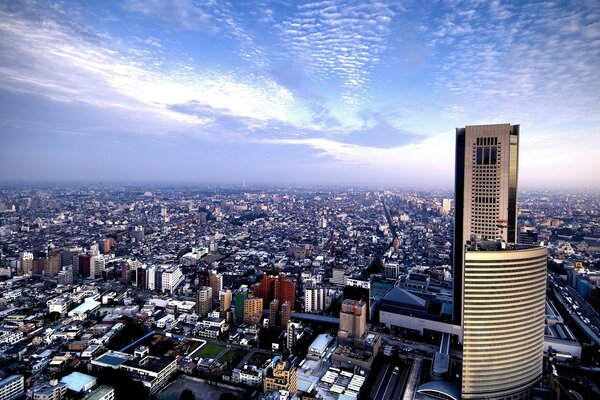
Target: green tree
(187, 394)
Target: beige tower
(225, 300)
(216, 283)
(253, 307)
(204, 301)
(503, 327)
(353, 319)
(487, 158)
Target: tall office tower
(499, 286)
(485, 190)
(216, 283)
(204, 301)
(503, 320)
(353, 319)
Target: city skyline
(323, 92)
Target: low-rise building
(53, 390)
(282, 376)
(12, 387)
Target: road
(580, 310)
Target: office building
(485, 187)
(503, 320)
(204, 301)
(356, 346)
(499, 286)
(353, 319)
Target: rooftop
(76, 381)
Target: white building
(9, 336)
(314, 300)
(12, 387)
(171, 278)
(59, 305)
(249, 375)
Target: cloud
(53, 61)
(339, 40)
(532, 62)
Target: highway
(580, 311)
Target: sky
(294, 92)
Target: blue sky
(293, 92)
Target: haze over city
(317, 92)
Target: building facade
(12, 387)
(499, 286)
(503, 322)
(204, 301)
(485, 187)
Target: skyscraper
(503, 320)
(499, 286)
(485, 190)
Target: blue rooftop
(77, 381)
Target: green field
(233, 357)
(209, 350)
(259, 358)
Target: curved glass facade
(503, 322)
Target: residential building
(12, 387)
(282, 376)
(204, 301)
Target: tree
(187, 394)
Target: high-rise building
(216, 283)
(224, 300)
(274, 313)
(314, 300)
(353, 319)
(253, 307)
(204, 301)
(86, 265)
(53, 264)
(499, 286)
(487, 158)
(276, 288)
(503, 320)
(240, 295)
(286, 314)
(27, 262)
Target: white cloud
(45, 59)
